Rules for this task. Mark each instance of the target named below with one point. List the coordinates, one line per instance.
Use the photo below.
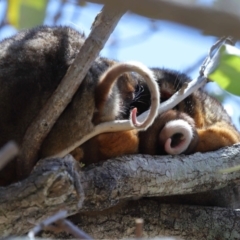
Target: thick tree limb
(187, 222)
(59, 184)
(53, 186)
(147, 176)
(211, 21)
(103, 26)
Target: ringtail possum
(199, 117)
(32, 64)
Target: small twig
(211, 61)
(46, 223)
(139, 228)
(7, 153)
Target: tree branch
(59, 184)
(211, 21)
(103, 26)
(186, 222)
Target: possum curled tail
(112, 144)
(107, 81)
(173, 132)
(176, 136)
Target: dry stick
(139, 228)
(7, 153)
(51, 186)
(211, 21)
(103, 26)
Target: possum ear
(178, 136)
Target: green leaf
(26, 13)
(227, 72)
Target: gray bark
(60, 184)
(184, 221)
(210, 20)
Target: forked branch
(103, 26)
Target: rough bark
(51, 187)
(103, 26)
(59, 184)
(211, 21)
(184, 221)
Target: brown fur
(108, 145)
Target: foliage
(26, 13)
(227, 71)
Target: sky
(165, 47)
(156, 44)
